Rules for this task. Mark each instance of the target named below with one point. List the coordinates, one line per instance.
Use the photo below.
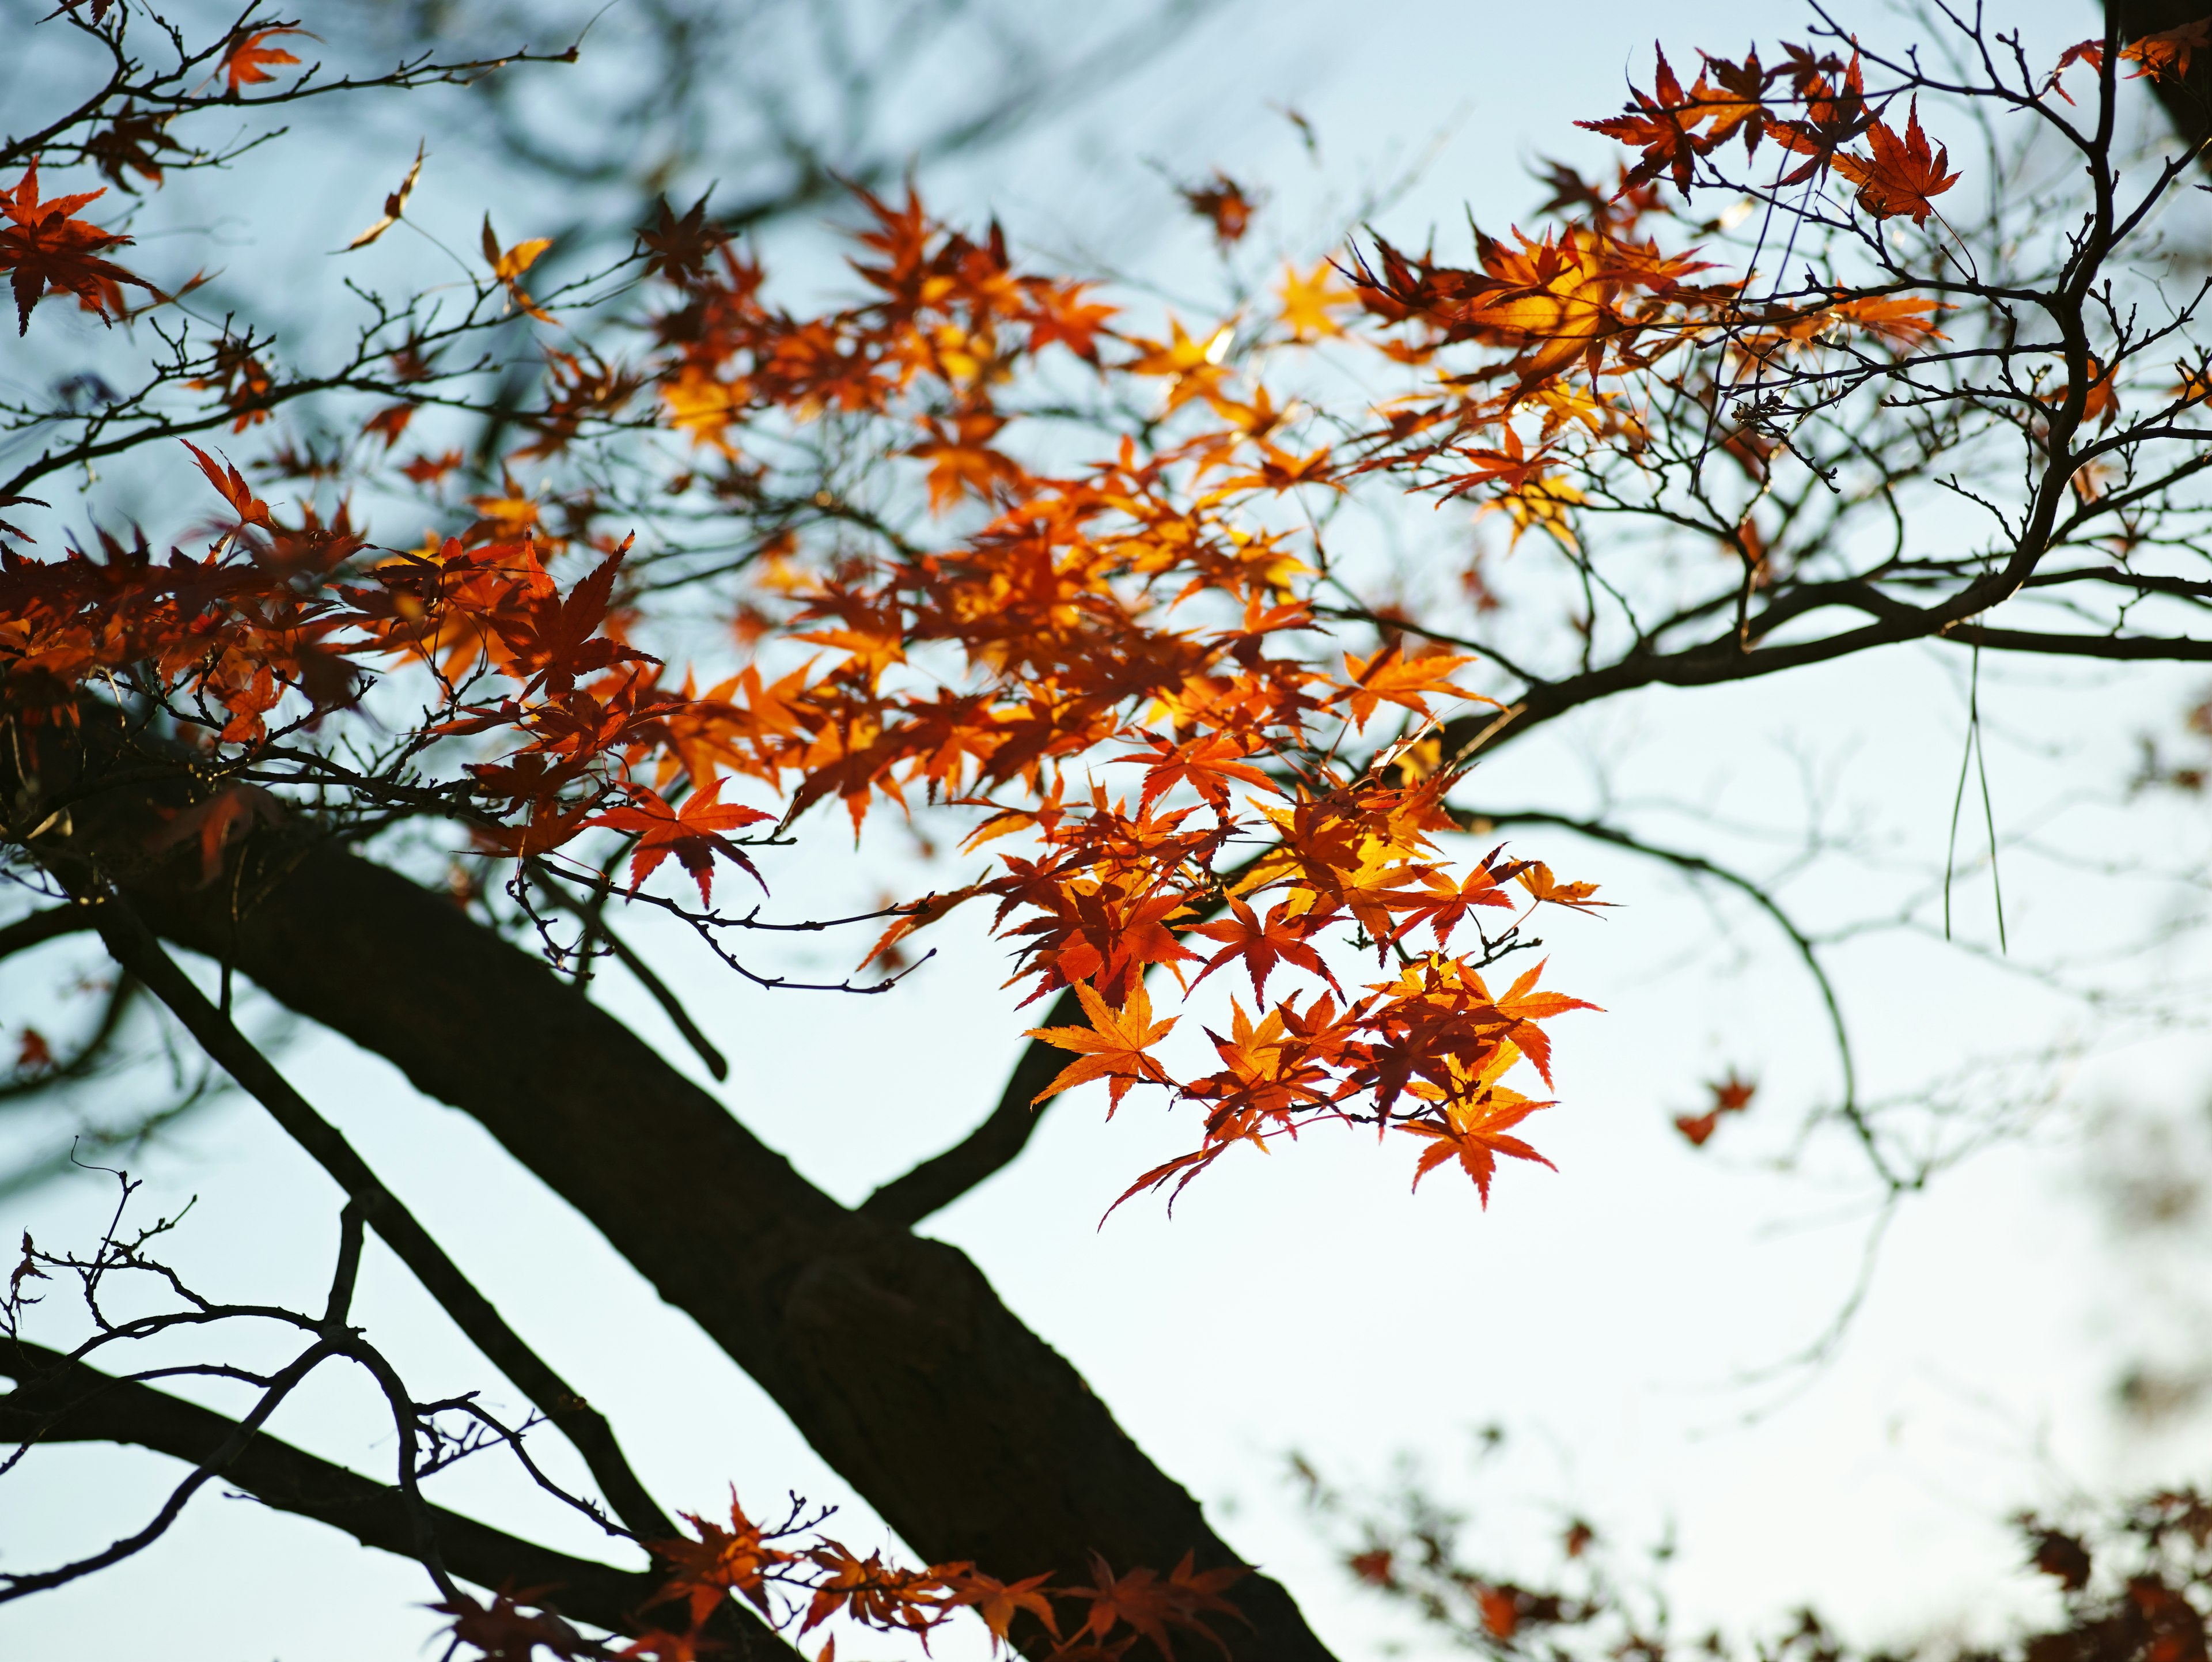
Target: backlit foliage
(980, 544)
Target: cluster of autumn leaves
(1119, 674)
(1014, 673)
(1153, 610)
(763, 1564)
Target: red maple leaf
(43, 246)
(692, 833)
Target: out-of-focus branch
(42, 927)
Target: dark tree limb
(42, 927)
(892, 1355)
(60, 1401)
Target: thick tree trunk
(892, 1355)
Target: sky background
(1630, 1321)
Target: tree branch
(61, 1401)
(136, 949)
(892, 1355)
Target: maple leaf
(245, 63)
(1227, 206)
(1728, 99)
(132, 143)
(2100, 403)
(1151, 1604)
(43, 246)
(1207, 764)
(1310, 301)
(389, 424)
(2168, 51)
(692, 833)
(394, 206)
(505, 1632)
(430, 469)
(679, 249)
(1111, 1048)
(1731, 1096)
(1282, 939)
(998, 1602)
(1525, 1007)
(1391, 677)
(1537, 878)
(1447, 905)
(229, 813)
(1656, 123)
(1901, 319)
(232, 486)
(921, 914)
(721, 1560)
(1501, 1612)
(1901, 174)
(33, 1053)
(509, 265)
(1476, 1127)
(2091, 53)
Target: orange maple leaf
(1901, 174)
(1224, 204)
(227, 480)
(509, 265)
(1151, 1604)
(243, 65)
(1542, 886)
(1476, 1129)
(998, 1602)
(34, 1052)
(721, 1560)
(1112, 1047)
(1391, 678)
(1281, 938)
(395, 205)
(2091, 53)
(2166, 53)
